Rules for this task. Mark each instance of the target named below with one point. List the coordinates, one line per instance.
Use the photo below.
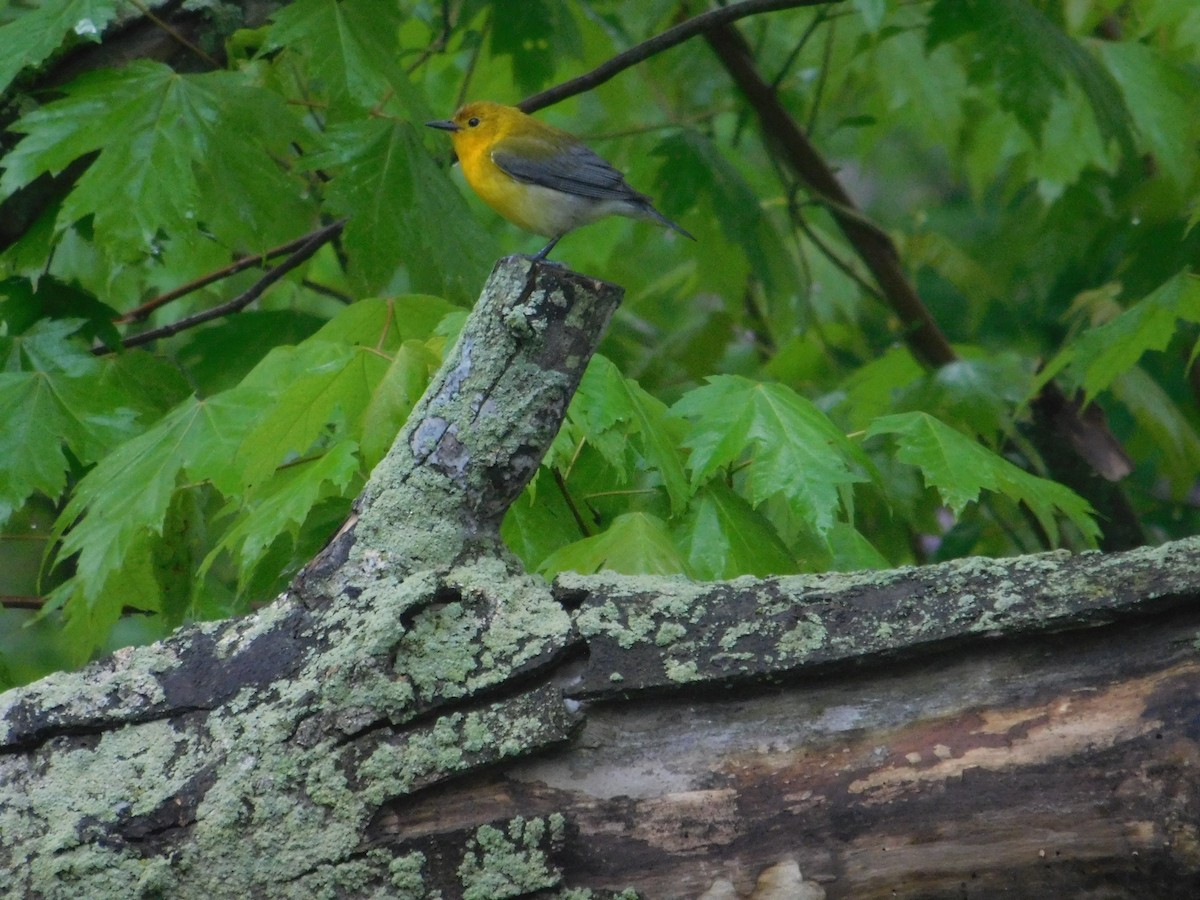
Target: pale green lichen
(681, 671)
(735, 633)
(276, 809)
(497, 865)
(805, 637)
(676, 599)
(668, 633)
(408, 876)
(392, 769)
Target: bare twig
(822, 79)
(307, 248)
(176, 34)
(326, 291)
(570, 501)
(842, 265)
(472, 62)
(657, 44)
(818, 19)
(437, 45)
(21, 601)
(873, 245)
(141, 313)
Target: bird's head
(480, 124)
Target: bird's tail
(654, 215)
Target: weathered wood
(418, 718)
(648, 635)
(1059, 765)
(247, 757)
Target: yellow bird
(540, 177)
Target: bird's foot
(537, 258)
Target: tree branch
(1060, 423)
(657, 44)
(142, 312)
(412, 703)
(306, 247)
(873, 245)
(176, 35)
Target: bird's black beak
(444, 125)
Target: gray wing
(575, 169)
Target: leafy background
(755, 409)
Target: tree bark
(417, 717)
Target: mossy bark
(418, 717)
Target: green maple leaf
(350, 52)
(634, 544)
(789, 446)
(284, 505)
(404, 212)
(1105, 352)
(33, 36)
(961, 469)
(1030, 60)
(52, 401)
(723, 536)
(127, 494)
(172, 153)
(611, 410)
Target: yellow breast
(535, 208)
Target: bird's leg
(541, 254)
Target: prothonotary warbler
(539, 177)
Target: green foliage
(789, 447)
(959, 469)
(31, 38)
(174, 154)
(1106, 351)
(754, 410)
(635, 543)
(302, 427)
(348, 52)
(390, 189)
(1030, 60)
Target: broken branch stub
(478, 434)
(248, 757)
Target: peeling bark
(417, 717)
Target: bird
(539, 177)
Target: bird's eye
(473, 121)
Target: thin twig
(822, 79)
(437, 45)
(141, 313)
(800, 45)
(575, 457)
(310, 246)
(657, 44)
(695, 119)
(19, 601)
(176, 34)
(839, 263)
(562, 487)
(873, 245)
(624, 492)
(325, 291)
(465, 86)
